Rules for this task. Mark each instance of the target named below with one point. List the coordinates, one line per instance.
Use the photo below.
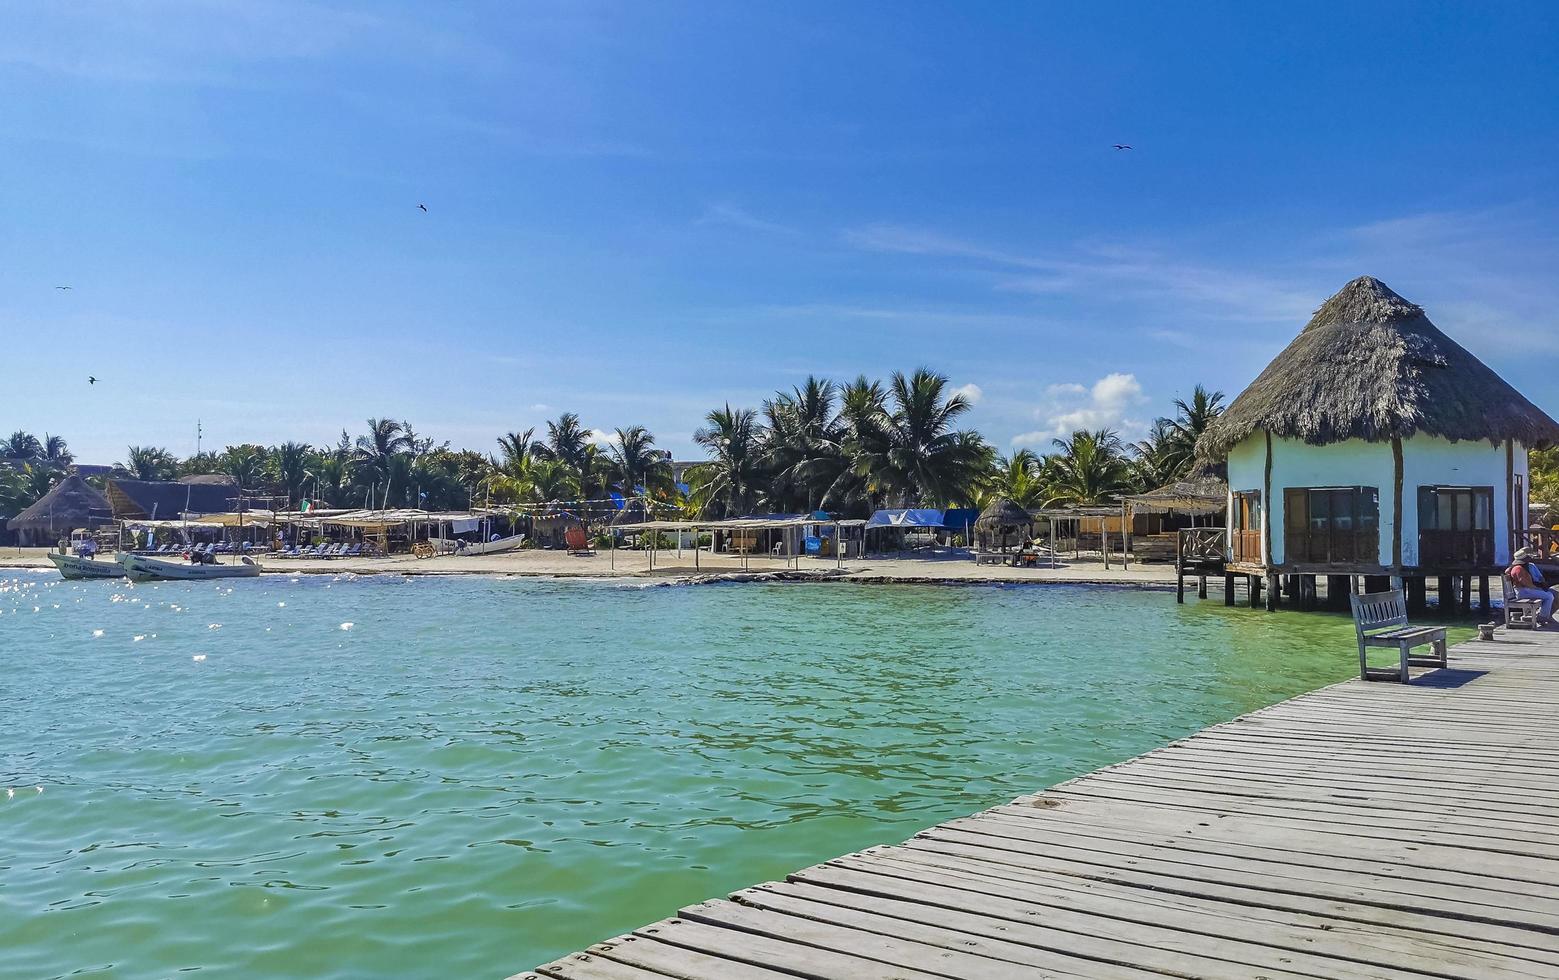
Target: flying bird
(91, 380)
(61, 287)
(423, 206)
(1123, 146)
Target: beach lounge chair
(578, 542)
(355, 550)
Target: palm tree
(55, 453)
(1157, 460)
(22, 445)
(568, 442)
(376, 451)
(804, 447)
(1018, 478)
(1088, 469)
(292, 464)
(516, 449)
(247, 464)
(150, 463)
(1191, 420)
(635, 461)
(911, 454)
(728, 483)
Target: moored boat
(457, 546)
(78, 567)
(145, 568)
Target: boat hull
(76, 567)
(451, 546)
(143, 568)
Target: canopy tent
(910, 517)
(785, 522)
(960, 519)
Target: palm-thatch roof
(147, 499)
(1369, 365)
(69, 504)
(1195, 494)
(1002, 513)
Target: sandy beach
(949, 568)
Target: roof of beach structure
(1001, 513)
(1204, 490)
(1370, 365)
(167, 498)
(69, 504)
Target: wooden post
(1272, 591)
(1464, 596)
(1180, 567)
(1253, 590)
(1228, 588)
(1484, 605)
(1201, 586)
(1445, 594)
(1337, 589)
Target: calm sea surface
(419, 777)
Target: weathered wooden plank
(933, 948)
(1057, 929)
(962, 883)
(587, 966)
(1392, 858)
(696, 951)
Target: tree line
(847, 448)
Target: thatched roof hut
(1369, 365)
(1001, 519)
(69, 504)
(1002, 516)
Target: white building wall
(1426, 461)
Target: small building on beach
(168, 499)
(1375, 445)
(70, 504)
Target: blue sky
(641, 211)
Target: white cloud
(599, 437)
(972, 393)
(1109, 403)
(541, 407)
(736, 217)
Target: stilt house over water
(1375, 445)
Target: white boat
(75, 566)
(145, 568)
(453, 546)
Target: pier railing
(1539, 539)
(1199, 545)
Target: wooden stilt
(1201, 586)
(1228, 589)
(1484, 606)
(1338, 588)
(1253, 590)
(1445, 595)
(1272, 592)
(1179, 568)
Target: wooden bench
(1380, 620)
(990, 558)
(1519, 613)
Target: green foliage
(1543, 474)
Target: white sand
(938, 568)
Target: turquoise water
(479, 774)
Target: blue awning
(916, 517)
(959, 518)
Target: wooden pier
(1363, 830)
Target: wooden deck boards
(1363, 830)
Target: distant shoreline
(940, 570)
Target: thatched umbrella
(1002, 517)
(1370, 365)
(71, 503)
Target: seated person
(1528, 581)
